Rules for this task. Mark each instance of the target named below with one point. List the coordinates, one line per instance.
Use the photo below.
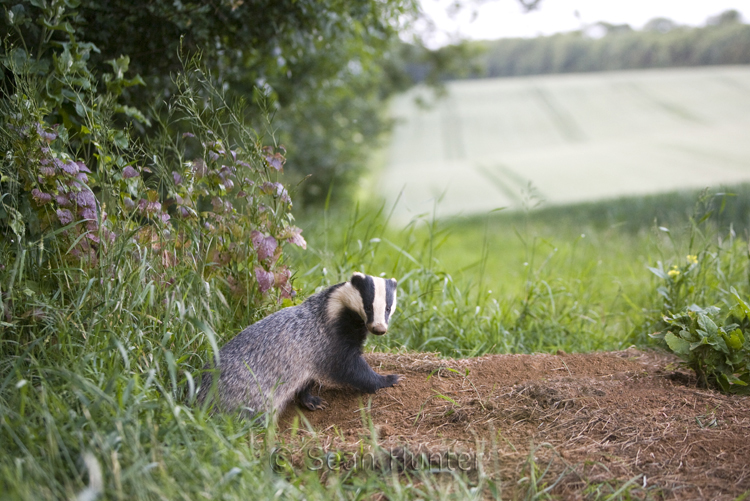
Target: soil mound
(587, 419)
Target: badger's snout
(378, 329)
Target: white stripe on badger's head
(378, 297)
(346, 297)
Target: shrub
(719, 354)
(203, 205)
(717, 348)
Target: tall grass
(574, 278)
(97, 385)
(97, 397)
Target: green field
(574, 138)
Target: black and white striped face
(378, 301)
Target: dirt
(586, 421)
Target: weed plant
(704, 319)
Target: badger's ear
(394, 281)
(357, 277)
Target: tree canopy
(318, 63)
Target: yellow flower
(692, 258)
(674, 272)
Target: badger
(318, 342)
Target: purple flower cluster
(46, 136)
(275, 159)
(40, 197)
(69, 167)
(129, 172)
(279, 279)
(293, 235)
(265, 279)
(63, 183)
(265, 246)
(277, 190)
(64, 216)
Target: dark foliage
(317, 61)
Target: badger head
(378, 301)
(372, 298)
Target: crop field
(568, 138)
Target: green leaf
(133, 113)
(740, 304)
(64, 26)
(120, 66)
(707, 324)
(717, 341)
(705, 217)
(723, 382)
(698, 344)
(80, 110)
(120, 139)
(658, 272)
(736, 339)
(689, 336)
(735, 380)
(677, 344)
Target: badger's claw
(392, 380)
(313, 403)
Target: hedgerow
(201, 194)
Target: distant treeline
(600, 47)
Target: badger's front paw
(391, 380)
(313, 403)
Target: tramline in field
(574, 138)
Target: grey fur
(286, 354)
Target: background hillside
(492, 143)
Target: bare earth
(591, 419)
